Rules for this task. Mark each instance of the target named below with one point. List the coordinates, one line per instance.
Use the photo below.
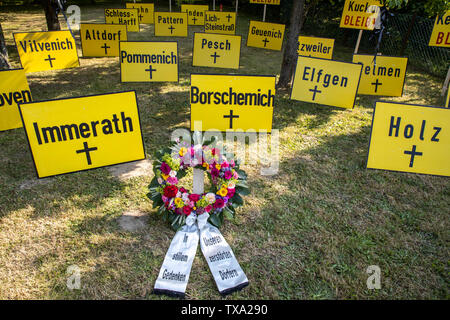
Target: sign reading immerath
(148, 61)
(440, 37)
(265, 35)
(171, 24)
(127, 17)
(145, 11)
(220, 22)
(50, 50)
(196, 13)
(315, 47)
(232, 102)
(360, 14)
(328, 82)
(216, 50)
(101, 40)
(410, 138)
(74, 134)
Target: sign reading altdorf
(101, 40)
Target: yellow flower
(218, 166)
(206, 165)
(165, 176)
(179, 203)
(222, 192)
(182, 151)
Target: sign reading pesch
(216, 50)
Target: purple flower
(228, 175)
(165, 168)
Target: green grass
(310, 232)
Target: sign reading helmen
(410, 138)
(148, 61)
(315, 47)
(171, 24)
(440, 37)
(265, 35)
(51, 50)
(196, 13)
(126, 17)
(73, 134)
(360, 14)
(220, 22)
(14, 90)
(328, 82)
(145, 11)
(216, 50)
(101, 40)
(232, 102)
(383, 76)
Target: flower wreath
(175, 203)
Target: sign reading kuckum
(51, 50)
(216, 50)
(410, 138)
(265, 35)
(196, 13)
(328, 82)
(440, 36)
(220, 22)
(315, 47)
(74, 134)
(171, 24)
(126, 17)
(232, 102)
(148, 61)
(13, 89)
(145, 11)
(383, 77)
(101, 40)
(360, 14)
(276, 2)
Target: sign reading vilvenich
(360, 14)
(101, 40)
(265, 35)
(216, 50)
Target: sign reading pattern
(51, 50)
(384, 77)
(148, 61)
(265, 35)
(127, 17)
(196, 13)
(171, 24)
(216, 50)
(14, 90)
(220, 22)
(410, 138)
(276, 2)
(145, 11)
(328, 82)
(101, 40)
(232, 102)
(360, 14)
(315, 47)
(440, 37)
(74, 134)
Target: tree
(51, 14)
(4, 63)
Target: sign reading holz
(101, 40)
(145, 11)
(127, 17)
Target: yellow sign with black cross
(216, 50)
(74, 134)
(440, 36)
(101, 40)
(50, 50)
(275, 2)
(126, 17)
(360, 14)
(383, 76)
(196, 13)
(315, 47)
(410, 138)
(265, 35)
(220, 22)
(14, 90)
(327, 82)
(146, 11)
(148, 61)
(232, 102)
(171, 24)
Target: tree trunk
(50, 15)
(408, 33)
(4, 63)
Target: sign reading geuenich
(410, 138)
(196, 13)
(171, 24)
(126, 17)
(360, 14)
(14, 89)
(145, 11)
(232, 102)
(148, 61)
(384, 76)
(315, 47)
(216, 50)
(51, 50)
(74, 134)
(220, 22)
(328, 82)
(276, 2)
(440, 37)
(265, 35)
(101, 40)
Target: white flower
(160, 180)
(210, 197)
(178, 194)
(185, 196)
(173, 173)
(231, 185)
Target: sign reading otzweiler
(196, 13)
(410, 138)
(74, 134)
(232, 102)
(440, 36)
(328, 82)
(101, 40)
(220, 22)
(145, 11)
(265, 35)
(315, 47)
(360, 14)
(51, 50)
(216, 50)
(171, 24)
(127, 17)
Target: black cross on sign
(215, 56)
(376, 84)
(87, 150)
(171, 29)
(105, 47)
(140, 17)
(49, 59)
(265, 42)
(150, 69)
(231, 116)
(413, 153)
(315, 91)
(228, 17)
(194, 19)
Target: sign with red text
(360, 14)
(440, 37)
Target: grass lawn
(309, 232)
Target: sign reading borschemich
(126, 17)
(171, 24)
(101, 40)
(220, 22)
(265, 35)
(216, 50)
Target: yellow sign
(265, 35)
(440, 37)
(232, 102)
(216, 50)
(148, 61)
(74, 134)
(220, 22)
(383, 77)
(328, 82)
(14, 90)
(315, 47)
(360, 14)
(51, 50)
(101, 40)
(171, 24)
(145, 11)
(127, 17)
(196, 13)
(276, 2)
(447, 103)
(410, 138)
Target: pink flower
(164, 198)
(208, 208)
(187, 210)
(214, 172)
(172, 180)
(194, 197)
(165, 168)
(232, 164)
(227, 175)
(225, 164)
(235, 175)
(231, 193)
(219, 203)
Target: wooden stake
(358, 41)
